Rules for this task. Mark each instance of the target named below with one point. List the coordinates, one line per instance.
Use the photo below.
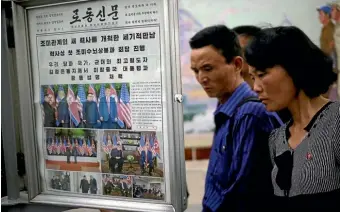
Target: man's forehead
(202, 56)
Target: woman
(289, 71)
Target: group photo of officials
(148, 188)
(94, 106)
(59, 180)
(114, 185)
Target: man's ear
(238, 62)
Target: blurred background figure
(327, 37)
(335, 14)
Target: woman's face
(274, 87)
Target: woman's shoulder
(277, 135)
(334, 109)
(332, 114)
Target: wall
(197, 14)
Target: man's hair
(289, 47)
(221, 38)
(247, 30)
(89, 93)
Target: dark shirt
(116, 153)
(241, 165)
(90, 112)
(84, 185)
(63, 112)
(93, 184)
(49, 115)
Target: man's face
(107, 92)
(245, 68)
(322, 16)
(47, 99)
(216, 76)
(90, 97)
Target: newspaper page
(97, 73)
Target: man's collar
(241, 92)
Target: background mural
(197, 14)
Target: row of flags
(58, 146)
(75, 103)
(153, 144)
(150, 138)
(107, 147)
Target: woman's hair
(290, 48)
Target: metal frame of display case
(173, 150)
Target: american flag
(81, 148)
(63, 147)
(73, 106)
(114, 140)
(49, 148)
(104, 146)
(115, 96)
(155, 147)
(93, 91)
(54, 148)
(101, 94)
(81, 98)
(57, 143)
(151, 140)
(89, 147)
(125, 107)
(141, 144)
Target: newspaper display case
(100, 103)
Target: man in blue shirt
(239, 171)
